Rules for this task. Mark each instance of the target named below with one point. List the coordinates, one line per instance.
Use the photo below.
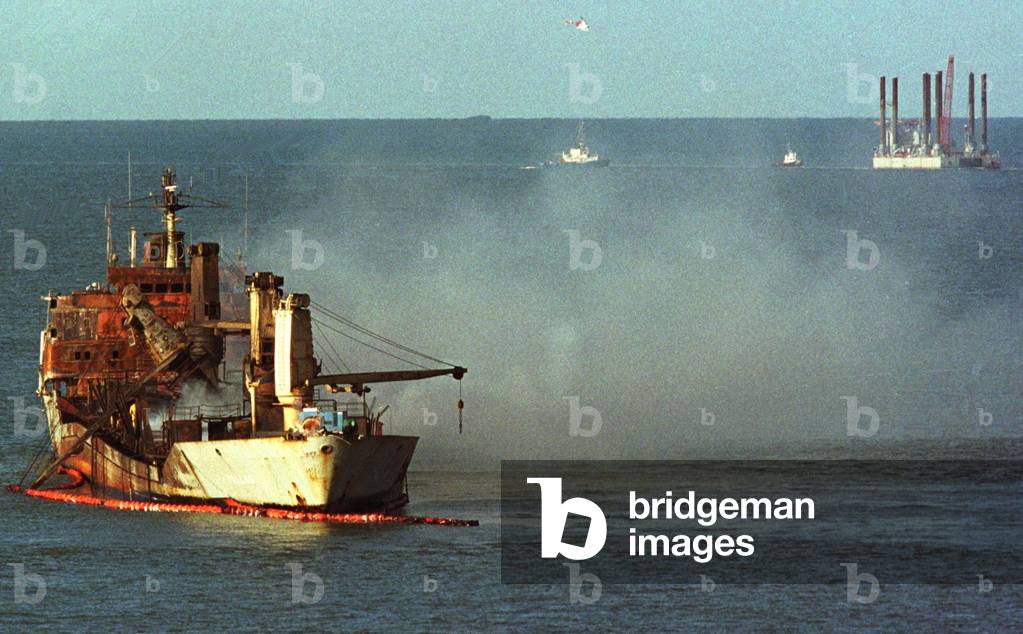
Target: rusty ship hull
(165, 385)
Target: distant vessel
(791, 158)
(580, 154)
(909, 144)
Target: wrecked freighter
(115, 360)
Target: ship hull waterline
(318, 473)
(604, 162)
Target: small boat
(791, 158)
(580, 154)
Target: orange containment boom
(230, 507)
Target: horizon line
(467, 118)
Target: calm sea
(691, 300)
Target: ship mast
(169, 202)
(245, 229)
(170, 206)
(110, 235)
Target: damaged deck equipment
(115, 360)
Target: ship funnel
(925, 138)
(205, 279)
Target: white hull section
(325, 472)
(914, 162)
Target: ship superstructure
(580, 154)
(791, 159)
(116, 362)
(909, 143)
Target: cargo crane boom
(358, 380)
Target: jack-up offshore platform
(909, 144)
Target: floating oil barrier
(230, 507)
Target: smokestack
(925, 138)
(983, 113)
(938, 108)
(895, 112)
(884, 117)
(970, 129)
(205, 277)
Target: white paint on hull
(914, 162)
(320, 471)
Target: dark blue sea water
(726, 315)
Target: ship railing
(209, 411)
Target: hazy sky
(447, 58)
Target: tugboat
(791, 158)
(121, 365)
(580, 154)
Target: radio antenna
(245, 228)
